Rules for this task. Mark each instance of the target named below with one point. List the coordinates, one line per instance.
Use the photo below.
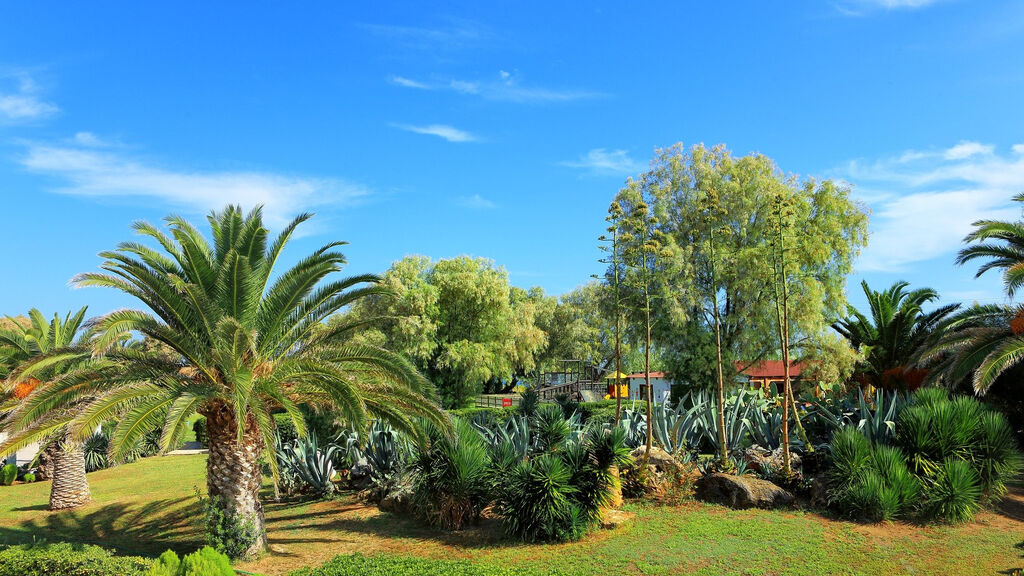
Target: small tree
(613, 248)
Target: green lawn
(147, 507)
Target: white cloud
(407, 83)
(924, 203)
(861, 7)
(966, 149)
(85, 171)
(476, 201)
(610, 162)
(449, 133)
(24, 102)
(506, 87)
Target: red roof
(641, 375)
(770, 369)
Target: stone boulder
(665, 477)
(761, 459)
(398, 501)
(742, 492)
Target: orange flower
(23, 389)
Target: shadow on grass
(285, 526)
(144, 530)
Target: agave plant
(877, 420)
(676, 428)
(514, 432)
(309, 462)
(634, 422)
(739, 407)
(387, 453)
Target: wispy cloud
(606, 162)
(476, 202)
(863, 7)
(449, 133)
(84, 170)
(505, 87)
(924, 202)
(21, 99)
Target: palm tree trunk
(46, 457)
(70, 488)
(233, 473)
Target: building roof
(772, 369)
(641, 375)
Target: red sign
(506, 402)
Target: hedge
(359, 565)
(68, 560)
(495, 413)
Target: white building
(23, 456)
(662, 387)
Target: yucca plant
(541, 505)
(955, 493)
(550, 428)
(451, 485)
(244, 340)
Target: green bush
(28, 478)
(599, 413)
(199, 429)
(359, 565)
(8, 474)
(203, 562)
(955, 493)
(226, 532)
(68, 560)
(951, 456)
(451, 484)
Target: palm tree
(247, 343)
(35, 356)
(897, 328)
(983, 342)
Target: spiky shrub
(558, 496)
(870, 482)
(96, 448)
(550, 428)
(451, 485)
(996, 456)
(387, 454)
(955, 493)
(528, 402)
(309, 462)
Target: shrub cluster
(68, 560)
(8, 474)
(548, 476)
(950, 457)
(203, 562)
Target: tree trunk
(46, 457)
(233, 473)
(650, 395)
(70, 488)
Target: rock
(664, 478)
(359, 477)
(398, 502)
(742, 492)
(818, 492)
(761, 459)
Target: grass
(149, 506)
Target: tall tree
(718, 216)
(247, 343)
(644, 252)
(460, 320)
(613, 248)
(37, 354)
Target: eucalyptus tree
(718, 216)
(36, 355)
(247, 341)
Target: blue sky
(495, 129)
